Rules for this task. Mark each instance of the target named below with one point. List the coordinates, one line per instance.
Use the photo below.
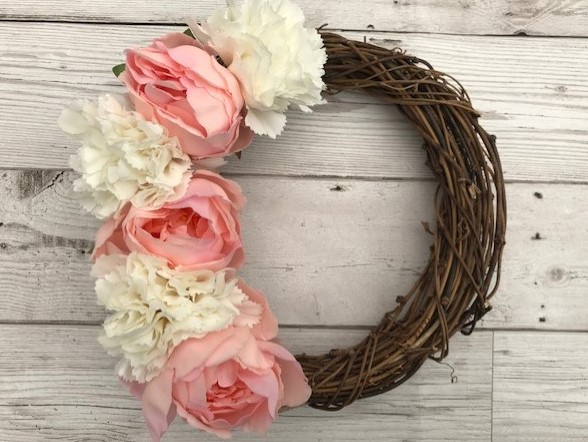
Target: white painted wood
(59, 385)
(538, 112)
(323, 257)
(540, 387)
(534, 17)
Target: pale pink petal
(267, 328)
(208, 110)
(199, 62)
(136, 57)
(222, 433)
(133, 74)
(135, 388)
(265, 385)
(181, 111)
(249, 314)
(174, 39)
(197, 393)
(296, 388)
(203, 184)
(181, 251)
(231, 188)
(141, 104)
(229, 348)
(181, 391)
(226, 374)
(191, 138)
(239, 416)
(233, 87)
(194, 353)
(158, 96)
(259, 421)
(110, 233)
(250, 355)
(297, 392)
(244, 137)
(157, 404)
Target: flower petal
(267, 328)
(296, 388)
(157, 404)
(266, 122)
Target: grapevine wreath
(193, 339)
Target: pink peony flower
(201, 230)
(180, 84)
(228, 379)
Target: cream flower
(154, 308)
(277, 61)
(123, 157)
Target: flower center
(179, 223)
(227, 399)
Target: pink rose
(228, 379)
(201, 230)
(181, 85)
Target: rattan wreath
(463, 271)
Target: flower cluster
(123, 157)
(277, 61)
(156, 307)
(192, 338)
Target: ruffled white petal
(122, 158)
(270, 123)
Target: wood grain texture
(540, 387)
(326, 252)
(60, 386)
(533, 17)
(537, 112)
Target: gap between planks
(365, 328)
(466, 17)
(516, 34)
(325, 178)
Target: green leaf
(189, 33)
(119, 69)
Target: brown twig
(463, 270)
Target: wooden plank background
(522, 99)
(332, 263)
(62, 386)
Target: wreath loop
(463, 271)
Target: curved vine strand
(463, 270)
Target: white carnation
(123, 157)
(276, 59)
(154, 308)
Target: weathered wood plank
(536, 111)
(60, 385)
(337, 258)
(533, 17)
(540, 387)
(299, 247)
